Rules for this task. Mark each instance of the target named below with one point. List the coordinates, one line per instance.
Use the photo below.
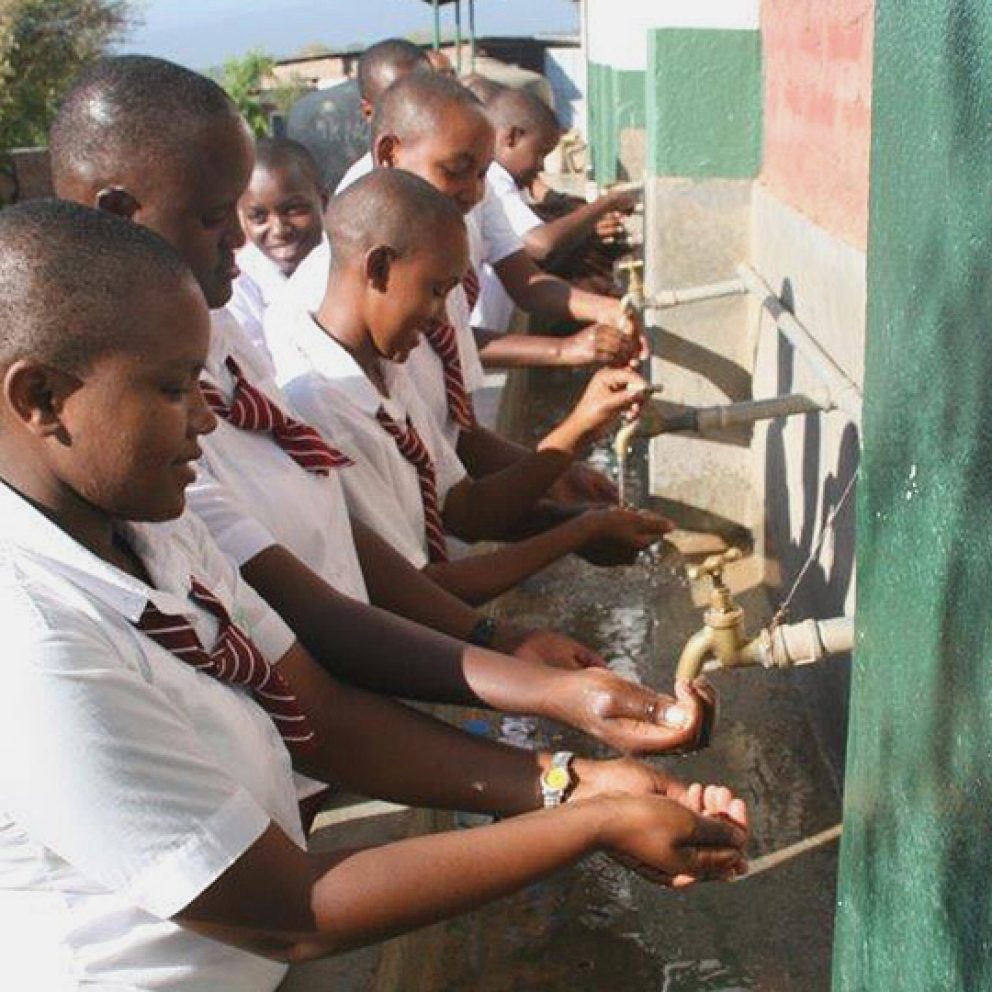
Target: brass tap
(722, 640)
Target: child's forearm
(378, 893)
(565, 232)
(538, 292)
(384, 653)
(280, 902)
(514, 351)
(483, 451)
(479, 578)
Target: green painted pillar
(915, 897)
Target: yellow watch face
(557, 779)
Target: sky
(203, 33)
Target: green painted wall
(915, 911)
(615, 102)
(704, 101)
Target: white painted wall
(617, 29)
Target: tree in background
(246, 81)
(43, 46)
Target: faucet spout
(697, 649)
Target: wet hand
(583, 484)
(629, 717)
(557, 650)
(632, 529)
(609, 393)
(669, 844)
(610, 227)
(600, 344)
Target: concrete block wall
(809, 227)
(756, 130)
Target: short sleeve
(104, 770)
(518, 213)
(240, 536)
(499, 240)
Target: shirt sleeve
(520, 217)
(112, 777)
(499, 240)
(237, 533)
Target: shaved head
(521, 109)
(164, 147)
(132, 110)
(417, 105)
(387, 207)
(280, 153)
(380, 65)
(70, 275)
(482, 86)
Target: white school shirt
(332, 392)
(308, 284)
(355, 172)
(491, 239)
(130, 781)
(259, 284)
(251, 494)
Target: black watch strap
(483, 633)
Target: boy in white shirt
(264, 509)
(398, 248)
(155, 707)
(281, 215)
(527, 131)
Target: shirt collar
(499, 177)
(27, 531)
(333, 362)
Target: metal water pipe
(458, 37)
(844, 394)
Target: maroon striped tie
(413, 449)
(234, 660)
(442, 338)
(251, 410)
(471, 286)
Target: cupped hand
(630, 528)
(629, 717)
(670, 844)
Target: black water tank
(330, 123)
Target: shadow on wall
(823, 592)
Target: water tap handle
(714, 565)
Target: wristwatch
(483, 633)
(558, 780)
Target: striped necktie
(471, 286)
(442, 339)
(413, 449)
(251, 410)
(234, 659)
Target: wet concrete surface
(599, 927)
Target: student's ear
(37, 394)
(378, 264)
(385, 150)
(117, 200)
(325, 198)
(513, 136)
